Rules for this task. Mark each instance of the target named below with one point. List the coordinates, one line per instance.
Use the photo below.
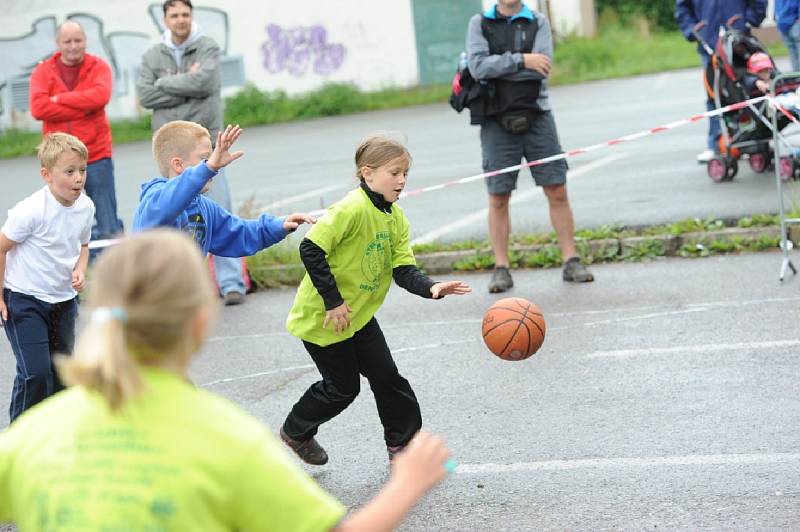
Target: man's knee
(556, 194)
(499, 202)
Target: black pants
(37, 330)
(340, 364)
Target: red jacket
(80, 112)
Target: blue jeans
(228, 269)
(714, 128)
(100, 188)
(792, 42)
(37, 330)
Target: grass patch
(16, 143)
(280, 265)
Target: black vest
(514, 37)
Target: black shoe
(575, 272)
(501, 280)
(309, 451)
(233, 298)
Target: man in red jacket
(68, 93)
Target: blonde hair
(56, 144)
(176, 139)
(145, 295)
(377, 150)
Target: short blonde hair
(149, 288)
(56, 144)
(176, 139)
(377, 150)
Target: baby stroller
(746, 131)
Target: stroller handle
(703, 43)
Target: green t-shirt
(173, 458)
(363, 245)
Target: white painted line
(434, 346)
(645, 316)
(515, 198)
(652, 461)
(259, 374)
(293, 199)
(708, 348)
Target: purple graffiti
(296, 50)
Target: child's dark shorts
(502, 149)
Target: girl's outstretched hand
(457, 288)
(421, 465)
(293, 221)
(221, 157)
(339, 317)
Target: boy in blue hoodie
(185, 158)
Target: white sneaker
(704, 156)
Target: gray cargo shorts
(502, 149)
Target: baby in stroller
(760, 72)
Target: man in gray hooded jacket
(179, 80)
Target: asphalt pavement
(665, 395)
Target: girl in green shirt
(133, 445)
(351, 256)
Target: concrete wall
(272, 44)
(297, 49)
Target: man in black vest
(510, 46)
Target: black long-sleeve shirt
(408, 277)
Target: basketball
(513, 328)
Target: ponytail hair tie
(104, 314)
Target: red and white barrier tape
(557, 157)
(587, 149)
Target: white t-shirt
(49, 238)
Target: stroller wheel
(759, 162)
(717, 169)
(722, 169)
(788, 168)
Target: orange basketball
(513, 328)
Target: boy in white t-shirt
(44, 253)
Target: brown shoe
(309, 451)
(233, 298)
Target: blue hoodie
(716, 13)
(786, 14)
(177, 202)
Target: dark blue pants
(37, 330)
(341, 365)
(101, 189)
(714, 125)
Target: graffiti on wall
(122, 50)
(301, 50)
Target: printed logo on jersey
(376, 260)
(196, 227)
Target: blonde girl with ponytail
(133, 445)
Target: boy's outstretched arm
(161, 206)
(221, 157)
